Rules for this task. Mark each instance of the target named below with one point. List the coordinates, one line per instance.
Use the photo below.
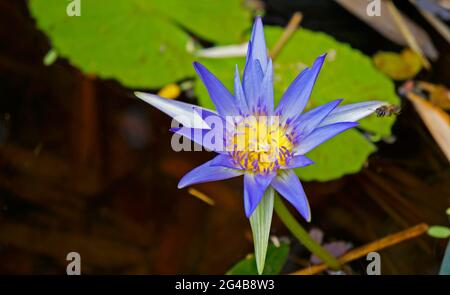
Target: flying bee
(388, 110)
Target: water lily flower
(268, 162)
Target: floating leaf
(351, 147)
(219, 21)
(401, 66)
(438, 231)
(276, 258)
(141, 43)
(347, 73)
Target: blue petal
(252, 81)
(267, 88)
(239, 93)
(309, 121)
(205, 113)
(198, 135)
(296, 96)
(298, 161)
(206, 173)
(352, 112)
(258, 43)
(210, 117)
(289, 186)
(220, 96)
(254, 187)
(224, 161)
(321, 135)
(255, 66)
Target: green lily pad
(275, 260)
(351, 147)
(141, 43)
(218, 21)
(347, 73)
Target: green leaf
(141, 43)
(351, 147)
(219, 21)
(276, 258)
(438, 231)
(347, 73)
(260, 222)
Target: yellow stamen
(260, 144)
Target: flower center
(260, 144)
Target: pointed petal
(352, 112)
(239, 93)
(307, 122)
(289, 186)
(206, 173)
(186, 114)
(254, 187)
(267, 88)
(224, 161)
(258, 43)
(298, 161)
(205, 113)
(252, 81)
(260, 222)
(220, 96)
(321, 135)
(296, 96)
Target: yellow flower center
(260, 144)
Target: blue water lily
(290, 133)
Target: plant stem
(406, 32)
(302, 235)
(288, 32)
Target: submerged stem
(302, 235)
